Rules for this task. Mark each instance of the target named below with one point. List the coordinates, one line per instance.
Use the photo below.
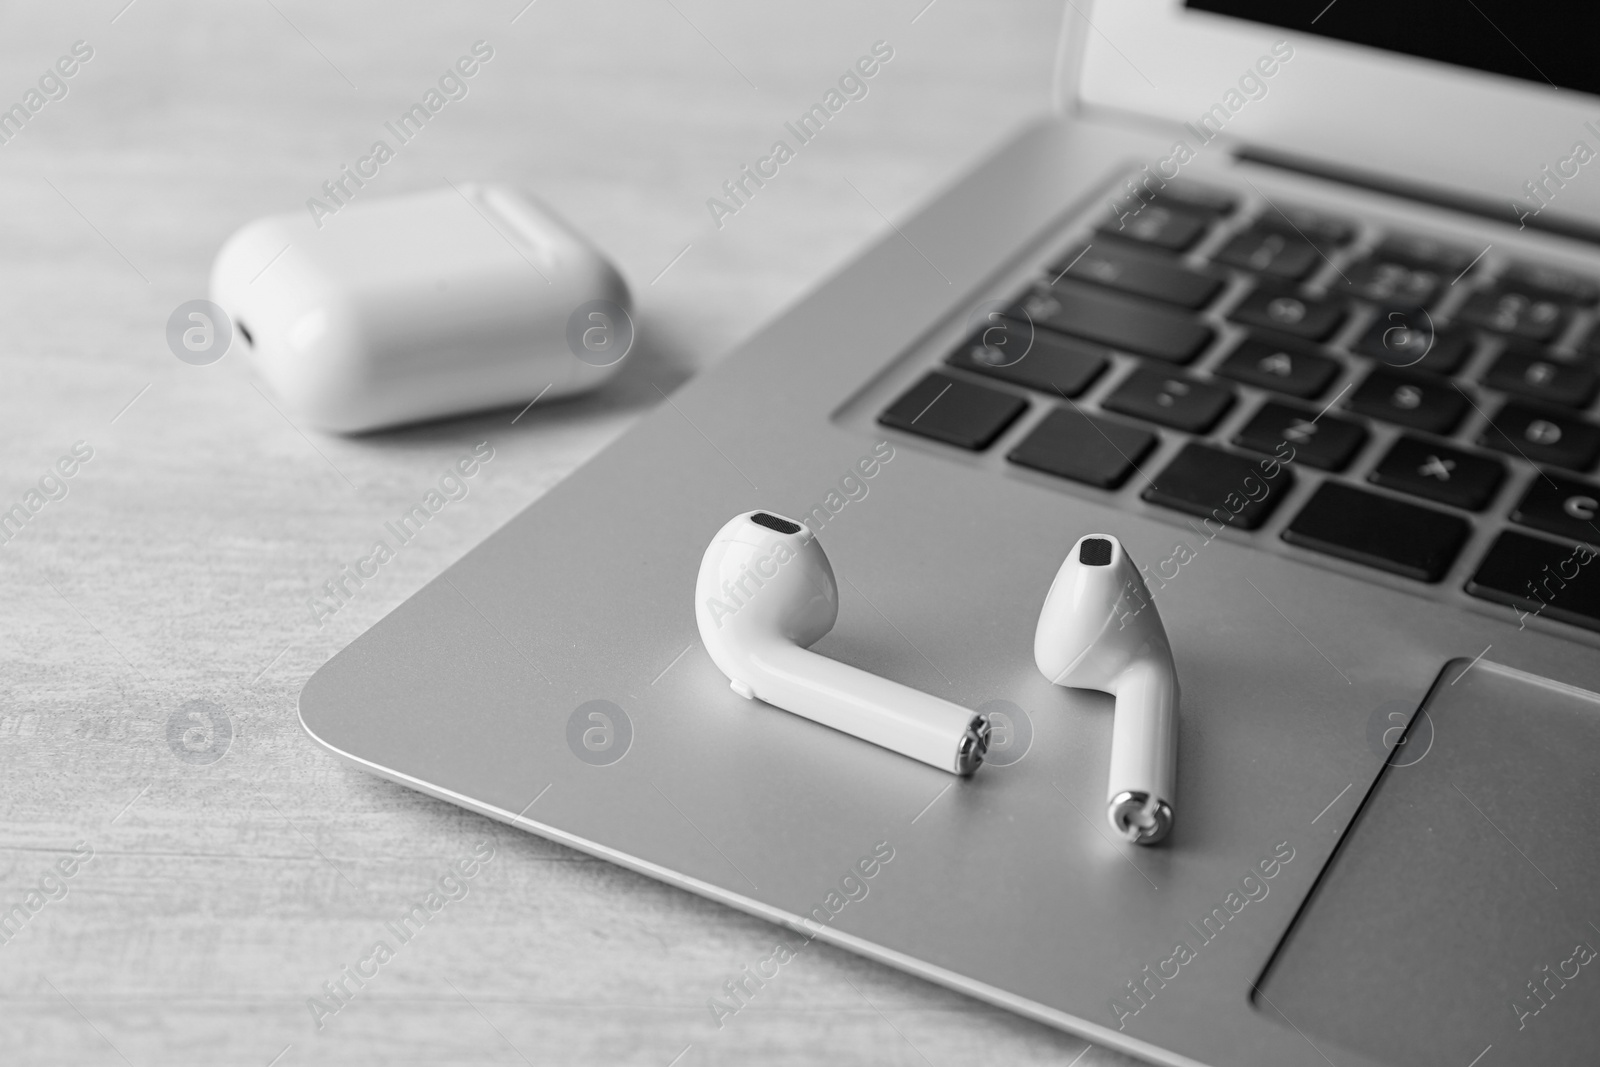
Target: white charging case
(414, 307)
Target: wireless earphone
(1100, 630)
(766, 593)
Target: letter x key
(1437, 468)
(1300, 432)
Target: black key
(1324, 230)
(1514, 314)
(1170, 399)
(1268, 252)
(1131, 325)
(1542, 379)
(1542, 578)
(1562, 506)
(1158, 227)
(1592, 344)
(953, 411)
(1419, 251)
(1436, 472)
(1297, 316)
(1543, 437)
(1017, 353)
(1407, 340)
(1386, 282)
(1085, 448)
(1200, 199)
(1549, 283)
(1234, 490)
(1424, 404)
(1140, 275)
(1379, 532)
(1327, 442)
(1286, 368)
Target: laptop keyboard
(1428, 335)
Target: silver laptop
(1355, 246)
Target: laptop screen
(1552, 44)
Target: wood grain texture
(222, 896)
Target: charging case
(420, 306)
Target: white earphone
(1100, 630)
(766, 593)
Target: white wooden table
(222, 895)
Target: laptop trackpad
(1458, 913)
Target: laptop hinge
(1507, 212)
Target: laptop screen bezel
(1343, 104)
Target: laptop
(1354, 249)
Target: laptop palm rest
(1458, 912)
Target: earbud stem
(864, 705)
(1144, 751)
